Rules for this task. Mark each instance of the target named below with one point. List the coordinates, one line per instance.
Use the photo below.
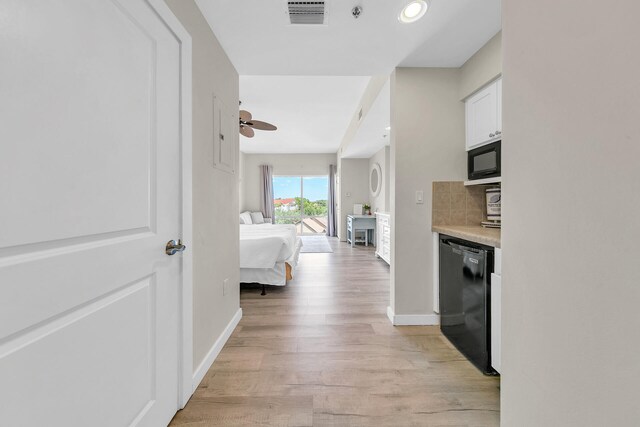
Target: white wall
(283, 164)
(483, 67)
(354, 180)
(241, 168)
(571, 233)
(371, 92)
(215, 193)
(427, 144)
(380, 203)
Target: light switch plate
(419, 197)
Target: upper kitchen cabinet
(483, 112)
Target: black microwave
(484, 162)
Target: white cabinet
(383, 236)
(483, 115)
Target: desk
(366, 223)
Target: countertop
(473, 233)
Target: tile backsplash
(455, 204)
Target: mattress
(264, 245)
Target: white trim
(199, 374)
(436, 271)
(412, 319)
(390, 314)
(496, 180)
(187, 220)
(185, 362)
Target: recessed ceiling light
(413, 11)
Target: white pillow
(245, 218)
(257, 218)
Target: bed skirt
(276, 276)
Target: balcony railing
(308, 225)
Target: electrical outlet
(225, 286)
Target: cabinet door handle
(498, 132)
(491, 135)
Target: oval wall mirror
(375, 179)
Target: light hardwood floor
(322, 352)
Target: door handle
(173, 247)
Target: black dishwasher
(465, 295)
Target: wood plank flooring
(322, 352)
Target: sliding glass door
(287, 192)
(315, 192)
(302, 201)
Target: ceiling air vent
(306, 12)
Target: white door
(90, 194)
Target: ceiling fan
(247, 124)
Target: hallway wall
(427, 144)
(353, 176)
(215, 193)
(570, 325)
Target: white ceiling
(277, 63)
(372, 134)
(259, 41)
(311, 112)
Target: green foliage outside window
(290, 214)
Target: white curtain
(331, 203)
(266, 187)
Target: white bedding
(276, 275)
(264, 245)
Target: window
(302, 201)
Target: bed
(268, 253)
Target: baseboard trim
(412, 319)
(390, 314)
(215, 350)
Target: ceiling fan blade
(247, 131)
(257, 124)
(245, 116)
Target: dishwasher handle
(458, 247)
